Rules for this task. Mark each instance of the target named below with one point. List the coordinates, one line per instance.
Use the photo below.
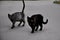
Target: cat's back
(16, 14)
(37, 16)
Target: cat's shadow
(8, 28)
(38, 32)
(23, 29)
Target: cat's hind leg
(20, 23)
(36, 28)
(41, 26)
(23, 22)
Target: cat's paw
(35, 29)
(12, 27)
(40, 30)
(18, 25)
(23, 25)
(32, 32)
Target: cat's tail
(45, 22)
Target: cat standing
(35, 21)
(18, 16)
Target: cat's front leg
(32, 29)
(13, 25)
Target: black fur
(35, 21)
(17, 16)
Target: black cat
(35, 21)
(17, 16)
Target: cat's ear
(9, 15)
(28, 17)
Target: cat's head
(30, 21)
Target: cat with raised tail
(36, 21)
(17, 16)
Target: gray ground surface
(51, 31)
